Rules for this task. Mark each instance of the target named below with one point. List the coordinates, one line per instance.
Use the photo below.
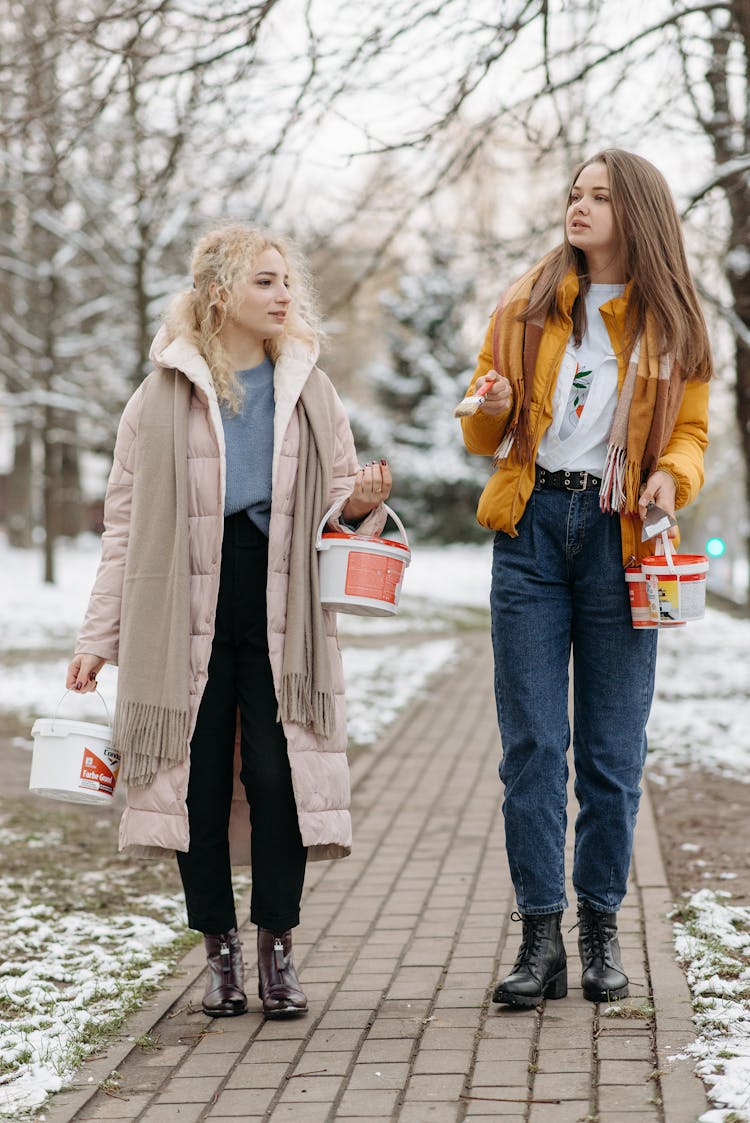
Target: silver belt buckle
(583, 485)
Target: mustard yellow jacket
(504, 499)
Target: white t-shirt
(585, 396)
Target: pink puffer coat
(155, 820)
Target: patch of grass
(148, 1041)
(112, 1083)
(629, 1010)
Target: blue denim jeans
(560, 585)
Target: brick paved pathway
(398, 950)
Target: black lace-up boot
(540, 970)
(224, 997)
(603, 978)
(278, 986)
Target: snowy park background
(419, 154)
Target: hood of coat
(291, 371)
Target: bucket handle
(666, 549)
(329, 512)
(65, 695)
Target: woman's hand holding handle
(372, 486)
(660, 488)
(82, 673)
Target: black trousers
(239, 675)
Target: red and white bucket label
(374, 576)
(99, 775)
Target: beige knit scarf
(307, 696)
(646, 410)
(151, 715)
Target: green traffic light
(715, 547)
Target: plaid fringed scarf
(646, 409)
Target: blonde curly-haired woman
(230, 687)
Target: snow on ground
(701, 712)
(64, 975)
(712, 939)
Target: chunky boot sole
(595, 994)
(222, 1012)
(556, 987)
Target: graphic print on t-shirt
(577, 397)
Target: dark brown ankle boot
(278, 985)
(224, 997)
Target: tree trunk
(70, 513)
(20, 490)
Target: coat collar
(291, 371)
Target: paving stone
(298, 1113)
(491, 1102)
(611, 1047)
(316, 1088)
(190, 1089)
(625, 1072)
(258, 1075)
(569, 1111)
(206, 1064)
(378, 1049)
(111, 1107)
(379, 1075)
(169, 1113)
(501, 1073)
(359, 1103)
(322, 1063)
(243, 1102)
(562, 1085)
(442, 1060)
(445, 1086)
(437, 1038)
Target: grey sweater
(249, 447)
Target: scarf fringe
(503, 449)
(621, 482)
(147, 735)
(612, 490)
(299, 703)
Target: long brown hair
(655, 263)
(222, 259)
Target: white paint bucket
(675, 586)
(73, 760)
(360, 573)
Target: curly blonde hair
(223, 259)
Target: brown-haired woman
(230, 686)
(599, 408)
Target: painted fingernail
(92, 676)
(383, 462)
(79, 686)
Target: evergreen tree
(436, 482)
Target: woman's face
(589, 219)
(259, 305)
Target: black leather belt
(567, 481)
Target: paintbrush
(472, 402)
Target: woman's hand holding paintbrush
(493, 394)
